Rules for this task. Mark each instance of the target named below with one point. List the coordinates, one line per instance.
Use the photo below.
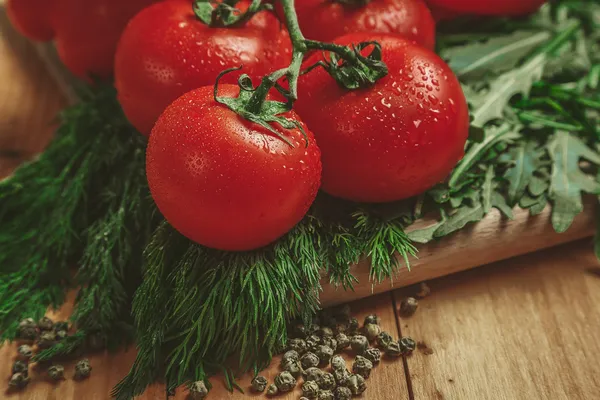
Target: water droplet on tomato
(435, 82)
(417, 123)
(383, 102)
(433, 99)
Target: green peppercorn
(356, 384)
(19, 380)
(325, 395)
(312, 374)
(83, 369)
(341, 376)
(384, 339)
(56, 372)
(324, 353)
(371, 319)
(338, 362)
(272, 390)
(45, 324)
(312, 342)
(359, 343)
(285, 382)
(28, 329)
(326, 332)
(330, 342)
(290, 355)
(408, 306)
(373, 355)
(20, 366)
(393, 349)
(309, 360)
(371, 331)
(259, 384)
(46, 340)
(198, 391)
(407, 345)
(294, 367)
(342, 393)
(362, 367)
(25, 351)
(326, 381)
(60, 335)
(298, 345)
(342, 341)
(310, 389)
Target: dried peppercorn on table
(524, 328)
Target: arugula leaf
(463, 216)
(568, 181)
(526, 157)
(425, 235)
(499, 202)
(497, 55)
(488, 188)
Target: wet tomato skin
(225, 182)
(496, 7)
(325, 20)
(393, 140)
(166, 51)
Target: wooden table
(522, 329)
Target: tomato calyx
(253, 105)
(352, 70)
(219, 14)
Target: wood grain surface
(525, 328)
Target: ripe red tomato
(225, 182)
(325, 20)
(395, 139)
(166, 51)
(87, 33)
(32, 18)
(496, 7)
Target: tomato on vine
(167, 51)
(497, 7)
(224, 181)
(325, 19)
(85, 32)
(394, 139)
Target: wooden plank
(387, 381)
(516, 330)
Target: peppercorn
(342, 341)
(312, 342)
(309, 360)
(259, 384)
(198, 391)
(56, 372)
(341, 376)
(359, 343)
(357, 384)
(371, 319)
(27, 323)
(45, 324)
(18, 380)
(384, 339)
(83, 369)
(338, 362)
(340, 327)
(298, 345)
(326, 332)
(424, 290)
(27, 329)
(330, 342)
(46, 340)
(371, 331)
(61, 326)
(272, 390)
(60, 335)
(373, 355)
(408, 306)
(25, 351)
(393, 349)
(362, 366)
(342, 393)
(324, 353)
(20, 366)
(312, 374)
(293, 367)
(285, 382)
(352, 326)
(326, 381)
(407, 345)
(310, 389)
(290, 355)
(325, 395)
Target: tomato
(31, 18)
(325, 20)
(166, 51)
(496, 7)
(87, 33)
(395, 139)
(225, 182)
